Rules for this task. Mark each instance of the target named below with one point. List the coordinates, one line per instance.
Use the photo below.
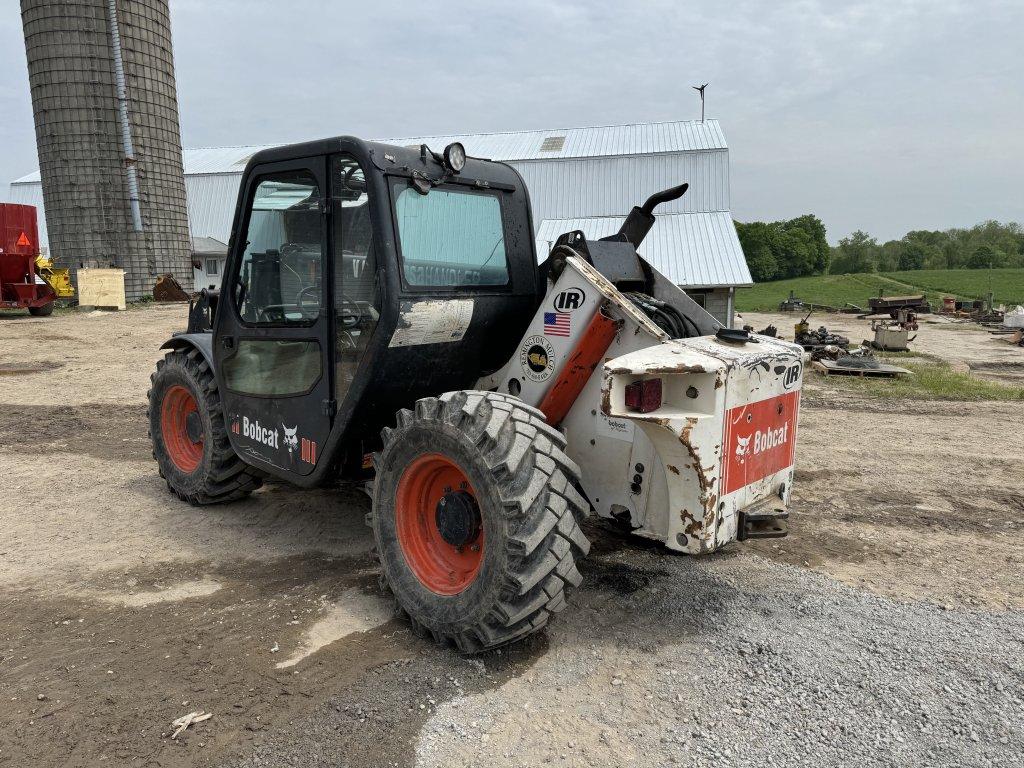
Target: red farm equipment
(27, 279)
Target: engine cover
(724, 436)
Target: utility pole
(700, 89)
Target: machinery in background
(893, 334)
(28, 280)
(58, 278)
(891, 305)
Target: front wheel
(44, 311)
(190, 441)
(475, 518)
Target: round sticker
(569, 300)
(537, 358)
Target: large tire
(44, 311)
(184, 404)
(514, 576)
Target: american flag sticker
(556, 324)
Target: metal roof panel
(694, 250)
(595, 141)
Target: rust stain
(702, 478)
(691, 525)
(673, 468)
(708, 498)
(680, 368)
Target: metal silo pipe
(122, 108)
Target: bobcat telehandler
(382, 318)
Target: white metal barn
(578, 178)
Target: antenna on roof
(700, 89)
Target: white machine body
(713, 462)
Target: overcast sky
(879, 115)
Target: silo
(106, 114)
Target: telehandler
(383, 319)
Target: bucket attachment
(169, 289)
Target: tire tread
(536, 484)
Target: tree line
(781, 249)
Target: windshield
(450, 238)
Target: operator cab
(361, 277)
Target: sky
(879, 115)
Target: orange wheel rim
(185, 451)
(444, 548)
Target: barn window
(553, 144)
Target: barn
(579, 178)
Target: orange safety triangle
(23, 240)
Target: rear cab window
(450, 238)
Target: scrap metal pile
(821, 342)
(830, 352)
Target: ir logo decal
(792, 375)
(537, 358)
(569, 300)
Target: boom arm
(656, 462)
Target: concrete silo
(106, 115)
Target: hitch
(763, 522)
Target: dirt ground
(122, 609)
(908, 498)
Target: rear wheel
(475, 518)
(44, 311)
(190, 441)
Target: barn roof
(549, 143)
(594, 141)
(694, 250)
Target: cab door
(273, 345)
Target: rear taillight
(644, 396)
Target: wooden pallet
(831, 368)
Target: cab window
(279, 283)
(450, 238)
(279, 278)
(356, 300)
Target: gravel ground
(885, 630)
(735, 661)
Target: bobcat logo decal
(742, 448)
(291, 442)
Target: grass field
(930, 379)
(838, 290)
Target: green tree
(913, 255)
(780, 249)
(817, 241)
(856, 253)
(759, 242)
(983, 257)
(889, 254)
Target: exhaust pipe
(640, 220)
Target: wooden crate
(101, 288)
